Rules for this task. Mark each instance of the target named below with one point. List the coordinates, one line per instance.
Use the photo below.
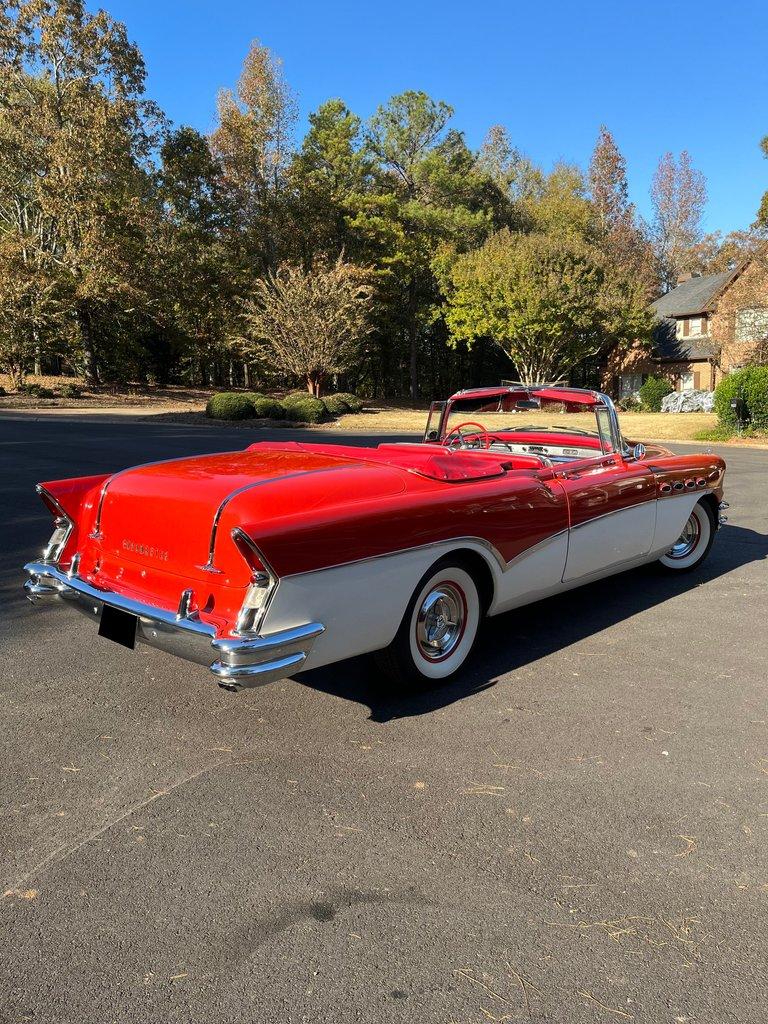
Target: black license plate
(119, 626)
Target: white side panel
(610, 540)
(361, 604)
(533, 575)
(671, 517)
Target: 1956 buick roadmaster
(288, 556)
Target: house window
(695, 325)
(687, 381)
(631, 384)
(751, 324)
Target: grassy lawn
(187, 404)
(637, 426)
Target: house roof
(667, 345)
(695, 296)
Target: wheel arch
(479, 569)
(711, 502)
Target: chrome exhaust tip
(35, 591)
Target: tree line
(385, 256)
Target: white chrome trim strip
(453, 541)
(613, 512)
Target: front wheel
(694, 543)
(439, 628)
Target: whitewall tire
(694, 543)
(439, 628)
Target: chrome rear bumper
(237, 662)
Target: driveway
(574, 832)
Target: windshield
(555, 428)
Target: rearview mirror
(638, 452)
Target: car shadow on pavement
(515, 639)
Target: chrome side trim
(209, 565)
(452, 541)
(613, 512)
(238, 533)
(535, 547)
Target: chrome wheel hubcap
(687, 540)
(440, 622)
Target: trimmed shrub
(652, 392)
(71, 391)
(35, 390)
(336, 405)
(308, 410)
(294, 397)
(749, 384)
(229, 406)
(267, 408)
(343, 401)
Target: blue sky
(661, 75)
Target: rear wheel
(694, 543)
(439, 628)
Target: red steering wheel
(448, 443)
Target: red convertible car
(288, 556)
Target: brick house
(706, 327)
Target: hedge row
(40, 391)
(299, 406)
(749, 384)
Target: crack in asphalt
(68, 850)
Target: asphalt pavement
(575, 831)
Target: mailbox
(739, 408)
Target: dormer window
(691, 327)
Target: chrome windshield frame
(599, 400)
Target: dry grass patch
(136, 396)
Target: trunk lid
(162, 516)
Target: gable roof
(667, 345)
(695, 296)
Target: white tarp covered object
(688, 401)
